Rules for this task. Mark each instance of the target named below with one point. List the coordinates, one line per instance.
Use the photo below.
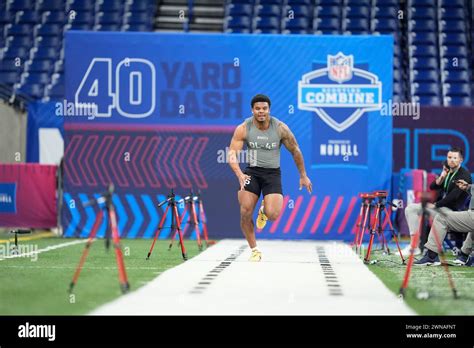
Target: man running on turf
(263, 134)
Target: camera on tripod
(381, 194)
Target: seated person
(450, 196)
(456, 221)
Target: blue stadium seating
(434, 67)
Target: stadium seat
(111, 6)
(425, 89)
(51, 17)
(453, 39)
(293, 3)
(7, 65)
(357, 12)
(28, 17)
(427, 100)
(451, 76)
(356, 24)
(50, 30)
(452, 26)
(296, 24)
(386, 11)
(238, 22)
(452, 13)
(9, 77)
(52, 5)
(422, 38)
(424, 63)
(142, 5)
(138, 17)
(83, 5)
(430, 76)
(37, 78)
(49, 53)
(421, 25)
(385, 24)
(297, 11)
(239, 10)
(423, 51)
(451, 3)
(457, 101)
(328, 24)
(328, 3)
(420, 3)
(40, 66)
(457, 89)
(270, 2)
(34, 90)
(270, 23)
(422, 13)
(20, 30)
(453, 51)
(20, 41)
(82, 18)
(325, 12)
(19, 5)
(16, 52)
(268, 10)
(455, 63)
(109, 17)
(50, 41)
(366, 3)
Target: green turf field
(39, 286)
(429, 279)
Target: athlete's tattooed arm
(289, 140)
(236, 145)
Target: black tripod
(111, 229)
(175, 223)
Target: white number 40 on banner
(134, 92)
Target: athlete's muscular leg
(247, 201)
(273, 205)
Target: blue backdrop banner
(40, 115)
(150, 112)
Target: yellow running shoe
(261, 219)
(256, 256)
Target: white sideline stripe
(290, 280)
(49, 248)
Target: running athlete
(263, 134)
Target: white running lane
(293, 278)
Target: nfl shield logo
(340, 67)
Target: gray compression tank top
(263, 146)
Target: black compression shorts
(266, 180)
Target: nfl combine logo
(340, 67)
(340, 93)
